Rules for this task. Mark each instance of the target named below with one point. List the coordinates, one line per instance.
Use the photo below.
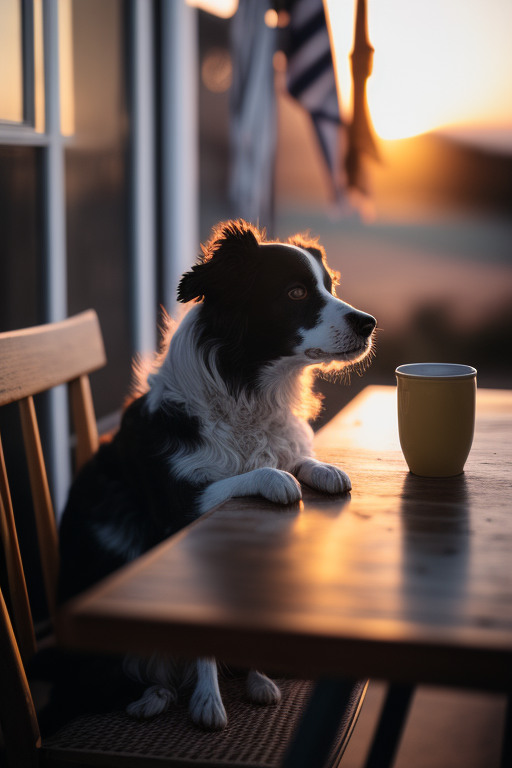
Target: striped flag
(311, 80)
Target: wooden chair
(32, 361)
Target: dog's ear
(190, 285)
(233, 245)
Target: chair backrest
(34, 360)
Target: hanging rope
(360, 131)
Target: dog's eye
(299, 292)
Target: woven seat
(255, 737)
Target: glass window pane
(67, 98)
(11, 64)
(97, 191)
(39, 66)
(20, 238)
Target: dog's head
(264, 301)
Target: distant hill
(441, 172)
(425, 172)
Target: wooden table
(409, 579)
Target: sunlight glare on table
(367, 422)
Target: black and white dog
(224, 413)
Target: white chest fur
(244, 437)
(238, 434)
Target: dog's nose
(361, 323)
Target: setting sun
(436, 63)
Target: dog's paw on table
(278, 486)
(324, 477)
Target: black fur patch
(126, 493)
(247, 314)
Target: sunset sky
(437, 63)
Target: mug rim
(415, 372)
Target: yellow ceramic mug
(436, 416)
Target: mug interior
(436, 370)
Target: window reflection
(67, 101)
(96, 190)
(11, 64)
(39, 66)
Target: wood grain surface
(407, 578)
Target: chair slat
(17, 712)
(43, 508)
(84, 420)
(22, 615)
(37, 359)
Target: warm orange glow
(271, 18)
(39, 66)
(11, 87)
(217, 70)
(274, 19)
(328, 552)
(67, 94)
(437, 63)
(367, 422)
(223, 8)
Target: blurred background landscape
(432, 258)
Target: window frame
(11, 131)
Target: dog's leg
(261, 689)
(155, 700)
(206, 707)
(323, 477)
(274, 484)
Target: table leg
(319, 725)
(391, 724)
(506, 749)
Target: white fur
(273, 484)
(332, 335)
(154, 701)
(239, 434)
(206, 707)
(168, 675)
(323, 477)
(262, 690)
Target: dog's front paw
(154, 701)
(207, 710)
(324, 477)
(278, 485)
(262, 690)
